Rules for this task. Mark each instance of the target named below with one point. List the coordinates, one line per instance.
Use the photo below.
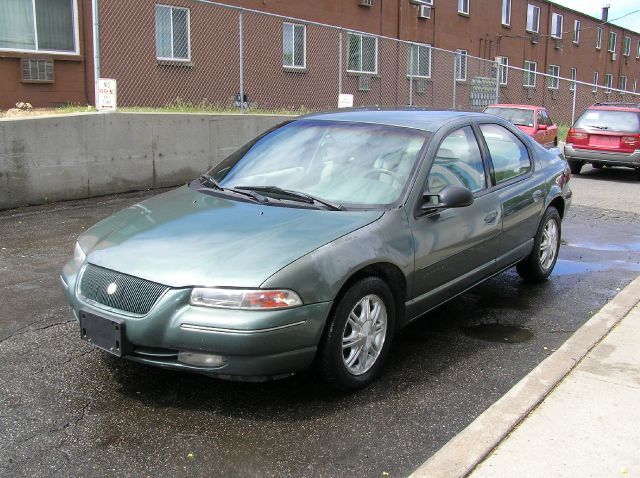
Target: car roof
(531, 107)
(614, 108)
(417, 118)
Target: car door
(552, 128)
(521, 189)
(455, 247)
(540, 135)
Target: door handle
(491, 217)
(537, 195)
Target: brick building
(46, 52)
(174, 51)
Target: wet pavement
(68, 410)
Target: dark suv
(607, 134)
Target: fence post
(455, 83)
(410, 74)
(340, 63)
(573, 108)
(241, 62)
(497, 81)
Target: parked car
(606, 134)
(315, 242)
(534, 121)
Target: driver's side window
(458, 162)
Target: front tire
(537, 267)
(359, 335)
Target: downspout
(96, 50)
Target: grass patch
(563, 129)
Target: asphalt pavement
(67, 410)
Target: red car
(532, 120)
(607, 134)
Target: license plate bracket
(107, 334)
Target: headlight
(244, 298)
(78, 255)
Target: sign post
(107, 94)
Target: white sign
(107, 94)
(345, 101)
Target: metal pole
(241, 64)
(573, 108)
(410, 75)
(96, 51)
(455, 71)
(340, 63)
(498, 71)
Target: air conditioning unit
(366, 3)
(37, 70)
(421, 86)
(364, 83)
(424, 12)
(558, 44)
(614, 56)
(535, 38)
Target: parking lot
(67, 410)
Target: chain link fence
(202, 56)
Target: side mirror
(542, 127)
(450, 196)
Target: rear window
(517, 116)
(608, 120)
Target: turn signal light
(244, 298)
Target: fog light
(201, 360)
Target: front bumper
(631, 160)
(253, 343)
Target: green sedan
(316, 242)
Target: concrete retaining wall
(54, 158)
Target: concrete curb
(467, 449)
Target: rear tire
(575, 166)
(359, 335)
(537, 267)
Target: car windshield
(518, 116)
(350, 164)
(609, 120)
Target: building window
(294, 45)
(613, 39)
(503, 69)
(608, 82)
(553, 80)
(172, 33)
(557, 22)
(39, 26)
(419, 62)
(463, 7)
(596, 79)
(598, 38)
(635, 86)
(638, 52)
(574, 76)
(506, 12)
(622, 83)
(461, 65)
(626, 46)
(576, 31)
(362, 53)
(530, 68)
(533, 19)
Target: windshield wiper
(596, 126)
(293, 195)
(209, 182)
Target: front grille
(132, 294)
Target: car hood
(185, 238)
